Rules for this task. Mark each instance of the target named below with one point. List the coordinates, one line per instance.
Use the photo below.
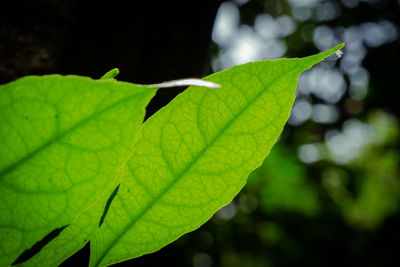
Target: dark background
(155, 41)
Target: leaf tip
(314, 59)
(110, 74)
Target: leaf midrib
(60, 136)
(190, 164)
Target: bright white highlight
(339, 53)
(186, 82)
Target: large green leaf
(194, 156)
(63, 142)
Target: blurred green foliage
(367, 189)
(281, 184)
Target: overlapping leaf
(194, 156)
(63, 141)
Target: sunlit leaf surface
(194, 156)
(63, 142)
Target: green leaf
(64, 139)
(194, 156)
(110, 74)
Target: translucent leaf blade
(63, 141)
(194, 156)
